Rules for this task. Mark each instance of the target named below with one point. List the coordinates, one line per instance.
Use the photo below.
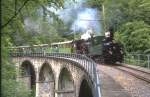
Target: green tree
(14, 14)
(130, 19)
(10, 86)
(135, 36)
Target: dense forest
(28, 22)
(130, 20)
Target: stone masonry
(54, 77)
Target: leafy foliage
(14, 32)
(130, 19)
(10, 86)
(16, 12)
(135, 36)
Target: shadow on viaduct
(54, 77)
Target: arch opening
(65, 80)
(28, 72)
(46, 73)
(85, 90)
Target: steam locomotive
(101, 48)
(112, 51)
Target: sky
(80, 16)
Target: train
(112, 51)
(99, 48)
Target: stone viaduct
(58, 75)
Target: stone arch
(85, 89)
(28, 74)
(46, 81)
(46, 73)
(65, 83)
(65, 80)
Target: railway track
(140, 74)
(134, 86)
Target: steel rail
(123, 65)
